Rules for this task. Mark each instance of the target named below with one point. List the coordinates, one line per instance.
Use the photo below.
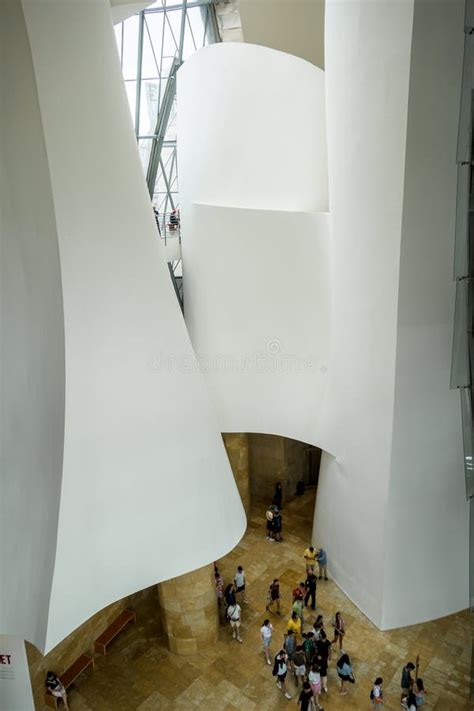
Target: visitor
(309, 647)
(229, 595)
(239, 582)
(344, 672)
(277, 525)
(289, 644)
(269, 516)
(280, 669)
(310, 558)
(278, 496)
(419, 691)
(314, 678)
(294, 623)
(339, 630)
(299, 592)
(56, 688)
(376, 693)
(266, 636)
(406, 681)
(323, 656)
(298, 607)
(310, 585)
(318, 625)
(274, 596)
(220, 595)
(299, 664)
(409, 701)
(233, 615)
(322, 559)
(305, 699)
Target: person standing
(310, 584)
(274, 596)
(344, 672)
(220, 595)
(239, 582)
(406, 682)
(305, 699)
(419, 691)
(277, 525)
(266, 631)
(278, 495)
(299, 592)
(56, 688)
(310, 558)
(376, 694)
(299, 664)
(309, 647)
(322, 559)
(314, 678)
(233, 615)
(280, 669)
(294, 624)
(318, 626)
(289, 644)
(339, 630)
(229, 595)
(298, 608)
(323, 656)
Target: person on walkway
(294, 624)
(299, 664)
(323, 656)
(376, 693)
(280, 669)
(309, 647)
(419, 691)
(239, 582)
(406, 682)
(318, 625)
(298, 607)
(314, 678)
(299, 592)
(266, 631)
(277, 526)
(278, 496)
(233, 615)
(306, 699)
(310, 559)
(344, 672)
(339, 630)
(322, 559)
(310, 584)
(289, 644)
(221, 604)
(229, 595)
(410, 702)
(56, 688)
(274, 596)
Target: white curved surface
(391, 506)
(144, 463)
(263, 125)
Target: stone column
(237, 446)
(190, 614)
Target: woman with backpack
(344, 672)
(376, 693)
(280, 670)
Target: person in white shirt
(233, 615)
(266, 636)
(239, 582)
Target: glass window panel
(460, 372)
(130, 47)
(149, 107)
(131, 88)
(118, 38)
(150, 62)
(144, 147)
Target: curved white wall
(144, 462)
(391, 506)
(259, 120)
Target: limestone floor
(139, 673)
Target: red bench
(112, 630)
(69, 677)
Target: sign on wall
(15, 686)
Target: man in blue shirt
(322, 559)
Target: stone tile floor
(140, 673)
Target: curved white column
(144, 465)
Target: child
(376, 695)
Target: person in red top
(299, 592)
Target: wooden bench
(112, 630)
(69, 677)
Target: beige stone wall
(273, 458)
(237, 446)
(81, 641)
(190, 613)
